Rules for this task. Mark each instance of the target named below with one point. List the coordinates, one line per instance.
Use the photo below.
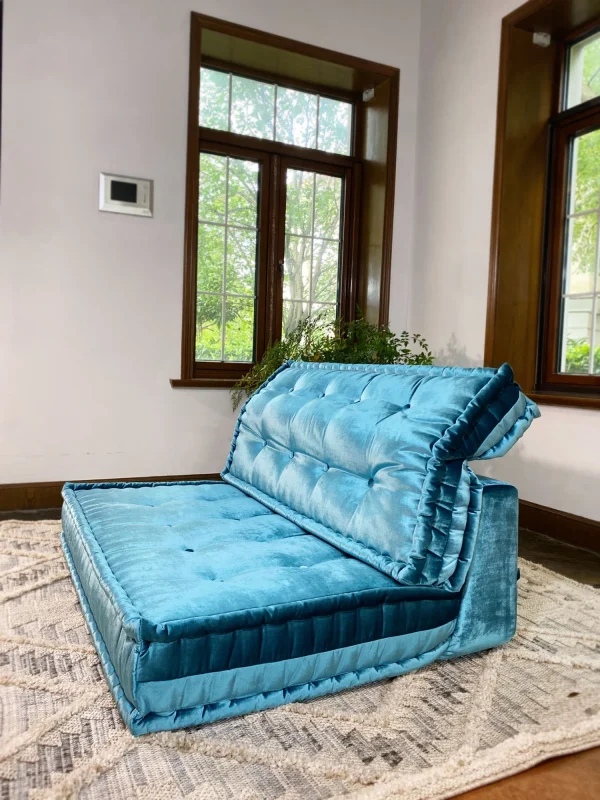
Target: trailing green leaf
(356, 342)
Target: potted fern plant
(316, 339)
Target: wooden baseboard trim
(38, 496)
(569, 528)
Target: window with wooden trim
(235, 202)
(571, 356)
(290, 183)
(543, 314)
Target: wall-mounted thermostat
(123, 195)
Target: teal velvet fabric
(215, 581)
(242, 693)
(339, 447)
(350, 542)
(488, 609)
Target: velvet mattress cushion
(373, 458)
(204, 578)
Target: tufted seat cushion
(206, 580)
(349, 542)
(373, 458)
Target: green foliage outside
(577, 361)
(590, 83)
(228, 210)
(315, 339)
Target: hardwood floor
(567, 778)
(574, 777)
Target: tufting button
(357, 401)
(290, 391)
(326, 467)
(188, 550)
(370, 482)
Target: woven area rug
(430, 734)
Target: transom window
(250, 107)
(289, 194)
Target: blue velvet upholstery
(333, 447)
(350, 541)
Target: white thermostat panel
(123, 195)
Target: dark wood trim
(188, 319)
(582, 32)
(565, 399)
(206, 383)
(490, 328)
(318, 64)
(522, 13)
(292, 45)
(561, 525)
(47, 495)
(390, 194)
(522, 245)
(349, 312)
(567, 126)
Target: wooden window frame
(564, 127)
(215, 372)
(526, 263)
(355, 285)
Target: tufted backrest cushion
(373, 458)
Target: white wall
(90, 303)
(556, 464)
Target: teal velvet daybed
(348, 542)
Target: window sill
(559, 399)
(203, 383)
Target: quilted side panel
(372, 458)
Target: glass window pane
(585, 178)
(239, 329)
(209, 313)
(214, 99)
(581, 267)
(293, 312)
(252, 107)
(299, 202)
(335, 126)
(328, 206)
(211, 257)
(296, 117)
(242, 208)
(327, 313)
(211, 196)
(584, 71)
(325, 265)
(296, 267)
(241, 261)
(577, 332)
(227, 253)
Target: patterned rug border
(544, 744)
(471, 766)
